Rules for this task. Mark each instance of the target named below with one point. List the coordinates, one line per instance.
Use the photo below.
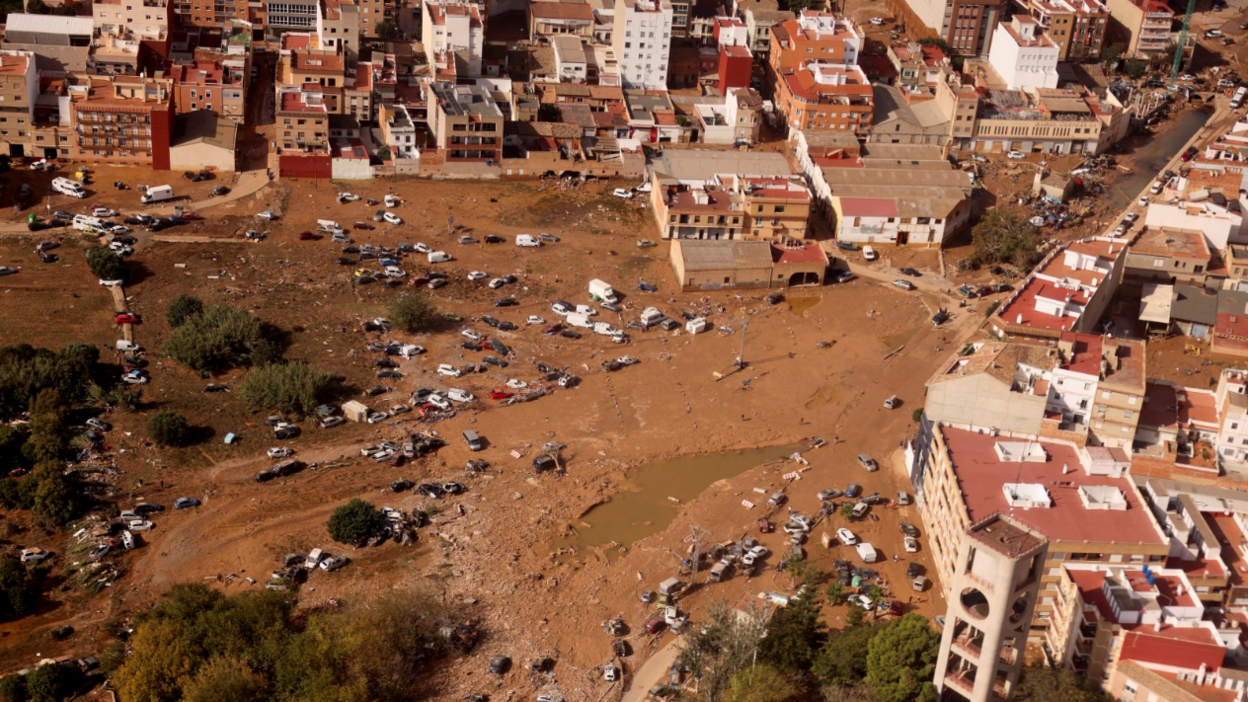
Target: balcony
(961, 682)
(970, 644)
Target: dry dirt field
(817, 367)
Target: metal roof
(708, 255)
(49, 24)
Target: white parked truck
(603, 291)
(160, 193)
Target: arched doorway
(805, 278)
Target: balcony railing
(970, 644)
(960, 682)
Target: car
(623, 193)
(911, 544)
(845, 276)
(496, 283)
(185, 503)
(867, 462)
(570, 334)
(516, 384)
(499, 665)
(34, 555)
(499, 394)
(135, 377)
(647, 287)
(494, 239)
(909, 530)
(449, 370)
(471, 334)
(913, 273)
(904, 284)
(867, 552)
(466, 240)
(62, 214)
(853, 490)
(328, 422)
(344, 198)
(903, 498)
(392, 218)
(460, 395)
(280, 452)
(1227, 41)
(920, 583)
(1189, 154)
(892, 402)
(876, 22)
(1016, 155)
(96, 423)
(140, 525)
(332, 563)
(846, 537)
(549, 238)
(506, 302)
(610, 672)
(1187, 77)
(534, 320)
(393, 374)
(266, 215)
(435, 283)
(477, 275)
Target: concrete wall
(194, 157)
(984, 401)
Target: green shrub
(354, 522)
(219, 338)
(18, 592)
(104, 263)
(183, 308)
(168, 428)
(293, 388)
(412, 312)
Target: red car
(125, 318)
(553, 329)
(191, 216)
(765, 526)
(498, 394)
(307, 236)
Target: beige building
(203, 140)
(715, 265)
(1119, 400)
(302, 122)
(1165, 255)
(465, 122)
(992, 386)
(1141, 27)
(19, 90)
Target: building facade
(642, 41)
(123, 120)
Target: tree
(901, 660)
(1109, 58)
(837, 594)
(226, 680)
(548, 112)
(856, 692)
(219, 338)
(1164, 59)
(413, 312)
(48, 437)
(843, 658)
(727, 644)
(56, 497)
(387, 31)
(293, 388)
(11, 441)
(847, 510)
(1005, 236)
(18, 592)
(383, 153)
(105, 264)
(52, 683)
(183, 308)
(168, 428)
(1136, 69)
(763, 683)
(13, 688)
(1041, 684)
(355, 522)
(794, 634)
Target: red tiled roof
(807, 253)
(1175, 647)
(868, 206)
(1086, 356)
(1231, 330)
(562, 10)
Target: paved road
(652, 672)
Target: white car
(410, 350)
(422, 248)
(282, 452)
(610, 672)
(392, 218)
(862, 601)
(34, 555)
(623, 193)
(876, 22)
(460, 395)
(759, 551)
(377, 417)
(1132, 216)
(604, 329)
(497, 283)
(449, 370)
(516, 384)
(534, 319)
(847, 537)
(139, 525)
(471, 334)
(527, 240)
(1142, 202)
(586, 310)
(912, 544)
(111, 282)
(1016, 155)
(867, 552)
(391, 201)
(266, 215)
(347, 197)
(103, 212)
(478, 275)
(438, 401)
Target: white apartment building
(1220, 223)
(1072, 382)
(297, 15)
(451, 27)
(642, 41)
(1232, 398)
(1023, 55)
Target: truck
(160, 193)
(576, 319)
(72, 188)
(602, 290)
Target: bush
(412, 312)
(18, 593)
(52, 683)
(104, 263)
(13, 688)
(55, 497)
(168, 428)
(293, 388)
(183, 308)
(26, 371)
(354, 522)
(219, 338)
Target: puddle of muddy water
(646, 510)
(799, 305)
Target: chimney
(1019, 319)
(1065, 468)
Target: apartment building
(453, 34)
(1120, 392)
(996, 384)
(465, 122)
(1166, 255)
(1022, 55)
(829, 97)
(217, 13)
(735, 208)
(373, 14)
(399, 131)
(121, 120)
(58, 43)
(123, 27)
(759, 20)
(551, 18)
(1078, 27)
(1068, 291)
(967, 25)
(19, 91)
(642, 40)
(338, 29)
(218, 86)
(282, 16)
(1143, 27)
(920, 68)
(812, 36)
(302, 121)
(1078, 498)
(1207, 200)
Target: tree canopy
(355, 522)
(901, 660)
(412, 312)
(293, 388)
(221, 337)
(168, 428)
(1005, 236)
(105, 264)
(183, 308)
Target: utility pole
(745, 326)
(696, 534)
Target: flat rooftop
(981, 476)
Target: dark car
(495, 361)
(390, 374)
(491, 321)
(506, 302)
(216, 387)
(914, 570)
(499, 347)
(1002, 287)
(914, 273)
(1189, 154)
(384, 363)
(647, 287)
(499, 665)
(220, 190)
(365, 226)
(345, 261)
(375, 391)
(909, 529)
(401, 485)
(853, 490)
(494, 239)
(570, 334)
(507, 326)
(544, 462)
(430, 490)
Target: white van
(160, 193)
(527, 240)
(313, 559)
(602, 290)
(65, 186)
(438, 257)
(85, 222)
(1239, 97)
(329, 225)
(866, 552)
(605, 329)
(575, 319)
